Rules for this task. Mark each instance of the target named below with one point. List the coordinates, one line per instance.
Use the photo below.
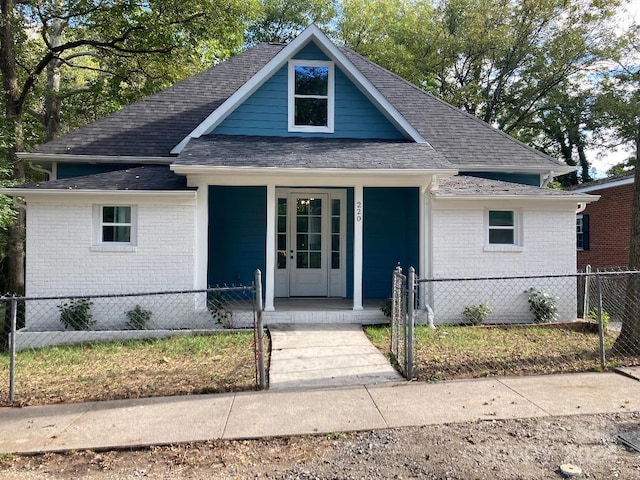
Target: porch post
(202, 236)
(270, 264)
(358, 219)
(422, 243)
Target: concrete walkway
(325, 355)
(167, 420)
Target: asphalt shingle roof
(254, 151)
(149, 177)
(466, 185)
(153, 126)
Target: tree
(280, 21)
(114, 39)
(511, 63)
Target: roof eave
(30, 192)
(235, 170)
(487, 196)
(539, 169)
(71, 158)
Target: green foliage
(476, 314)
(280, 21)
(139, 318)
(387, 307)
(76, 314)
(542, 304)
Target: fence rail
(191, 319)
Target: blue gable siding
(237, 234)
(524, 178)
(265, 112)
(311, 52)
(390, 234)
(69, 170)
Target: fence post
(585, 304)
(600, 321)
(12, 350)
(260, 330)
(410, 318)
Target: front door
(308, 244)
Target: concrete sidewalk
(325, 355)
(166, 420)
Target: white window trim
(517, 245)
(99, 245)
(330, 97)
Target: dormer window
(311, 96)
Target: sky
(601, 159)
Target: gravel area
(494, 449)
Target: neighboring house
(603, 228)
(306, 161)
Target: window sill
(503, 248)
(114, 248)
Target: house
(307, 161)
(603, 228)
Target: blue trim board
(237, 234)
(390, 236)
(69, 170)
(524, 178)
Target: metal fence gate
(402, 317)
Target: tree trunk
(628, 342)
(52, 102)
(13, 118)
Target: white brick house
(306, 161)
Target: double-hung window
(502, 227)
(311, 96)
(115, 224)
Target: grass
(140, 368)
(455, 352)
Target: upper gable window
(311, 88)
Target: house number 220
(358, 211)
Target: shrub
(76, 314)
(476, 314)
(386, 307)
(138, 318)
(220, 312)
(542, 304)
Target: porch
(324, 310)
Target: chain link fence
(524, 324)
(160, 343)
(402, 307)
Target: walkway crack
(523, 397)
(377, 408)
(226, 422)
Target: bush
(476, 314)
(542, 304)
(386, 307)
(76, 314)
(138, 318)
(220, 312)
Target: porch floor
(324, 310)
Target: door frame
(336, 278)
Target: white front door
(308, 244)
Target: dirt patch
(511, 449)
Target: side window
(582, 232)
(114, 224)
(502, 227)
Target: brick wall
(61, 257)
(609, 228)
(460, 251)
